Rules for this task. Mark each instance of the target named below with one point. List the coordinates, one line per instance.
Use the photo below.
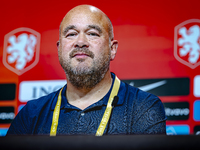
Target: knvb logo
(21, 50)
(187, 43)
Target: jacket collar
(104, 101)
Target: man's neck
(82, 98)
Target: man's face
(84, 43)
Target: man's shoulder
(140, 100)
(144, 103)
(27, 119)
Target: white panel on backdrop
(29, 90)
(197, 86)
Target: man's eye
(71, 34)
(93, 34)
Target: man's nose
(81, 41)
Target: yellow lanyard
(106, 114)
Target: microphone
(115, 101)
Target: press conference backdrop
(159, 50)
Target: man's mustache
(81, 50)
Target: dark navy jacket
(137, 112)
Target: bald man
(94, 101)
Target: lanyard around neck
(106, 114)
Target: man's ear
(114, 46)
(58, 44)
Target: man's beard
(83, 76)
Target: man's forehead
(84, 9)
(85, 19)
(85, 16)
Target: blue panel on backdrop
(178, 130)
